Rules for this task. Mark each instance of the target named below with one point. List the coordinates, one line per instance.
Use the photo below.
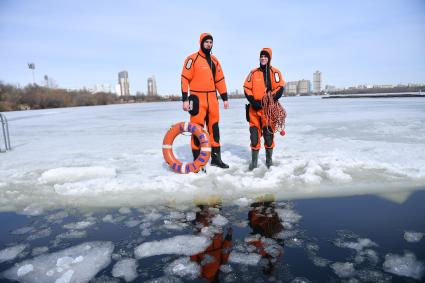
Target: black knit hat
(265, 53)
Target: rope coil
(275, 114)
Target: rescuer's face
(264, 60)
(208, 44)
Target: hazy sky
(83, 43)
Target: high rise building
(123, 82)
(291, 88)
(152, 90)
(304, 87)
(317, 82)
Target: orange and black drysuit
(258, 82)
(201, 78)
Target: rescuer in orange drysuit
(260, 82)
(201, 78)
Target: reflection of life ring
(167, 147)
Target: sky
(84, 43)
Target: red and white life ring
(205, 150)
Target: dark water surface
(344, 239)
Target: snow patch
(74, 174)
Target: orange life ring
(167, 147)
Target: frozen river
(111, 156)
(85, 195)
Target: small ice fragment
(66, 277)
(406, 265)
(183, 244)
(343, 269)
(25, 269)
(413, 237)
(125, 268)
(219, 220)
(243, 258)
(184, 267)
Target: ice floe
(76, 264)
(404, 265)
(183, 267)
(244, 258)
(413, 237)
(125, 268)
(74, 174)
(11, 253)
(181, 245)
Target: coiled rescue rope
(275, 114)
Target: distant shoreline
(380, 95)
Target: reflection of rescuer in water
(215, 254)
(264, 221)
(203, 75)
(263, 87)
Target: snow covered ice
(76, 264)
(76, 155)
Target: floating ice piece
(300, 280)
(79, 225)
(125, 268)
(184, 267)
(74, 174)
(132, 223)
(244, 258)
(76, 264)
(39, 250)
(190, 216)
(413, 237)
(40, 234)
(22, 230)
(124, 210)
(370, 275)
(406, 265)
(219, 220)
(23, 270)
(320, 261)
(165, 279)
(183, 245)
(288, 215)
(343, 269)
(11, 253)
(358, 246)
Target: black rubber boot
(269, 155)
(195, 153)
(254, 161)
(216, 158)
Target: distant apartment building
(291, 88)
(152, 90)
(304, 87)
(317, 82)
(330, 88)
(123, 83)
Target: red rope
(274, 113)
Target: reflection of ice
(76, 264)
(11, 252)
(413, 237)
(406, 265)
(182, 245)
